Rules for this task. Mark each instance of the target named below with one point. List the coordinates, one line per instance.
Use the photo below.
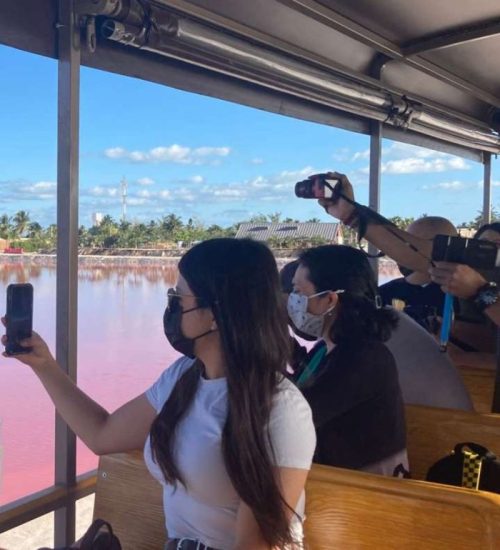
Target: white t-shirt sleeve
(160, 391)
(291, 428)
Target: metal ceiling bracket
(90, 34)
(344, 25)
(451, 37)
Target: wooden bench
(433, 433)
(131, 500)
(353, 510)
(344, 509)
(480, 385)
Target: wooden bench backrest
(131, 500)
(433, 433)
(480, 384)
(344, 510)
(354, 510)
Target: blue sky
(199, 157)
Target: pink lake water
(121, 352)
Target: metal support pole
(67, 249)
(487, 188)
(374, 189)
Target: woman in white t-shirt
(228, 436)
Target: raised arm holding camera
(411, 251)
(408, 250)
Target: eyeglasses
(172, 292)
(174, 300)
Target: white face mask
(303, 320)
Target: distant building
(466, 232)
(329, 232)
(97, 218)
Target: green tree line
(167, 231)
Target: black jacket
(356, 403)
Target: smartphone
(19, 317)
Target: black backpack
(99, 536)
(469, 465)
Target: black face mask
(172, 319)
(406, 272)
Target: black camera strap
(367, 215)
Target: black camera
(472, 252)
(319, 186)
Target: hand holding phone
(19, 317)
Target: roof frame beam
(338, 22)
(451, 37)
(187, 8)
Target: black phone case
(18, 330)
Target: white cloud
(145, 181)
(44, 186)
(237, 193)
(419, 165)
(173, 153)
(361, 155)
(257, 160)
(447, 186)
(401, 158)
(115, 153)
(184, 194)
(343, 154)
(275, 187)
(101, 191)
(133, 201)
(403, 150)
(41, 190)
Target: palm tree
(34, 230)
(4, 226)
(21, 220)
(170, 225)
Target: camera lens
(303, 189)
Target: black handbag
(99, 536)
(469, 465)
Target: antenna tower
(123, 186)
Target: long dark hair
(238, 279)
(359, 317)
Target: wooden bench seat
(433, 433)
(345, 510)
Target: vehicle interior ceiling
(427, 71)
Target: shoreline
(386, 265)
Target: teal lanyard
(312, 366)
